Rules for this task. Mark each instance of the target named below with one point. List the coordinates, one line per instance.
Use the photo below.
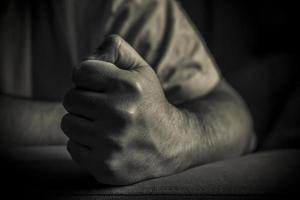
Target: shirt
(43, 40)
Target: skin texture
(123, 130)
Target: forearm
(27, 122)
(217, 126)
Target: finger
(108, 66)
(97, 75)
(78, 129)
(85, 133)
(117, 51)
(85, 103)
(79, 153)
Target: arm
(28, 122)
(222, 124)
(123, 129)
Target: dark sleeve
(162, 33)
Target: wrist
(181, 149)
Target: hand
(120, 125)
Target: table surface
(50, 169)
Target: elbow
(246, 135)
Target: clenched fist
(120, 126)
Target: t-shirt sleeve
(163, 34)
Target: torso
(44, 41)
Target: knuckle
(115, 39)
(127, 117)
(116, 142)
(86, 66)
(113, 169)
(135, 86)
(108, 51)
(111, 164)
(85, 69)
(132, 85)
(78, 71)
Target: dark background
(255, 45)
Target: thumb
(117, 51)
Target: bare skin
(26, 122)
(120, 125)
(123, 130)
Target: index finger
(96, 75)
